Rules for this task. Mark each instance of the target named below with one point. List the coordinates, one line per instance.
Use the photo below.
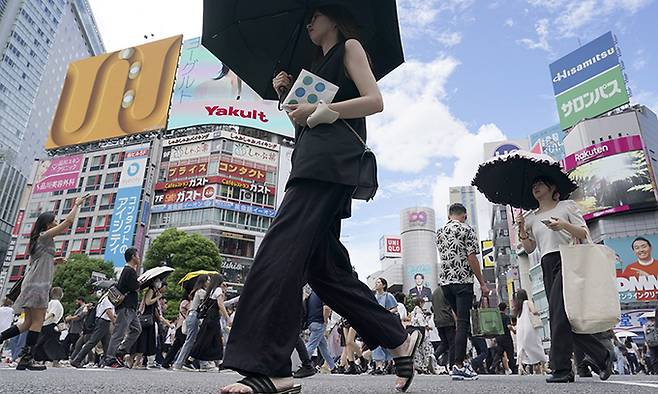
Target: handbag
(146, 320)
(487, 322)
(367, 184)
(589, 287)
(115, 295)
(15, 290)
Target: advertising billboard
(59, 173)
(201, 204)
(612, 176)
(208, 92)
(637, 267)
(189, 151)
(124, 215)
(589, 60)
(283, 174)
(253, 153)
(492, 149)
(116, 94)
(592, 98)
(549, 142)
(417, 219)
(488, 253)
(390, 246)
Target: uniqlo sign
(390, 246)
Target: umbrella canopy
(506, 179)
(625, 334)
(194, 275)
(259, 38)
(149, 276)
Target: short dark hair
(130, 253)
(502, 306)
(640, 239)
(419, 274)
(80, 299)
(548, 181)
(456, 209)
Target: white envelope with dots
(310, 89)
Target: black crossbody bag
(367, 184)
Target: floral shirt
(456, 241)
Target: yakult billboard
(208, 92)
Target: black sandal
(263, 385)
(404, 366)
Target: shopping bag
(487, 322)
(589, 286)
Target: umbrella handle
(282, 91)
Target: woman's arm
(359, 71)
(222, 309)
(149, 299)
(64, 225)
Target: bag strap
(349, 126)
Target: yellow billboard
(488, 258)
(116, 94)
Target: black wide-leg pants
(302, 245)
(562, 338)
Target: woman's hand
(283, 79)
(301, 112)
(79, 201)
(520, 219)
(557, 224)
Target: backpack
(89, 324)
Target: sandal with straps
(263, 385)
(404, 366)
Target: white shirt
(215, 294)
(55, 311)
(6, 317)
(199, 295)
(103, 306)
(549, 241)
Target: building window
(93, 183)
(112, 180)
(107, 201)
(83, 226)
(116, 160)
(97, 162)
(79, 246)
(102, 223)
(60, 248)
(89, 204)
(17, 272)
(97, 245)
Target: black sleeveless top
(330, 152)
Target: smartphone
(547, 222)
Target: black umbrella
(259, 38)
(506, 179)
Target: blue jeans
(317, 341)
(381, 354)
(192, 323)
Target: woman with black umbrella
(303, 243)
(557, 223)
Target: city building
(390, 256)
(37, 41)
(419, 252)
(465, 195)
(104, 174)
(225, 184)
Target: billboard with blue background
(549, 142)
(127, 203)
(584, 63)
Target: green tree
(185, 253)
(73, 276)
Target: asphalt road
(65, 380)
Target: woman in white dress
(529, 348)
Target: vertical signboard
(285, 166)
(588, 81)
(124, 216)
(390, 246)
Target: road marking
(641, 384)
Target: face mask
(157, 284)
(99, 293)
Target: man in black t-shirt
(127, 327)
(504, 342)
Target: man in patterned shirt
(458, 247)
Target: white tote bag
(590, 287)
